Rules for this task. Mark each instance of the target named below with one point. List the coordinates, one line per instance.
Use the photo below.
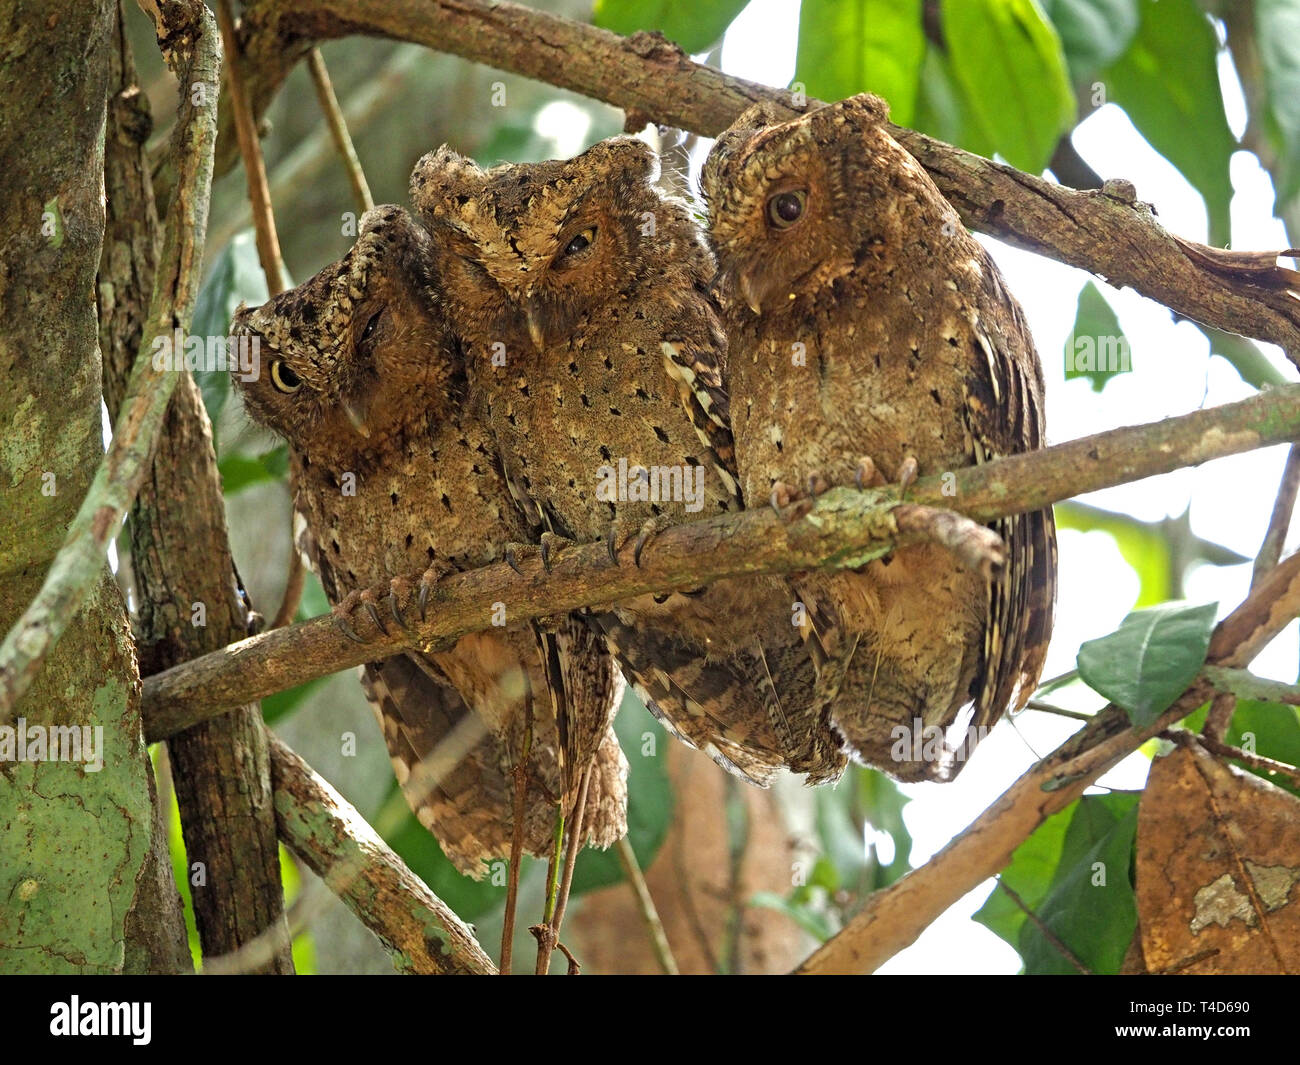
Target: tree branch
(192, 50)
(1102, 231)
(845, 528)
(335, 842)
(894, 916)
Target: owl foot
(436, 572)
(868, 474)
(552, 545)
(368, 598)
(783, 495)
(975, 546)
(650, 528)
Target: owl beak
(750, 292)
(356, 413)
(534, 317)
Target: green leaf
(812, 922)
(1143, 546)
(1008, 61)
(1096, 348)
(1055, 874)
(1094, 33)
(1244, 355)
(941, 108)
(853, 46)
(1168, 83)
(1277, 33)
(649, 797)
(238, 471)
(697, 25)
(1150, 660)
(236, 277)
(881, 802)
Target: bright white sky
(1173, 373)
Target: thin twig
(1270, 549)
(1060, 711)
(645, 904)
(259, 196)
(1255, 761)
(192, 50)
(520, 774)
(845, 528)
(577, 827)
(1219, 717)
(292, 590)
(329, 103)
(542, 932)
(1048, 934)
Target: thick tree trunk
(80, 866)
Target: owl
(869, 333)
(396, 482)
(581, 293)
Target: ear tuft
(625, 158)
(440, 176)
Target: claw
(865, 475)
(611, 544)
(775, 500)
(546, 555)
(510, 561)
(907, 473)
(396, 611)
(374, 616)
(817, 484)
(341, 623)
(424, 597)
(640, 544)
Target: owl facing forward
(869, 332)
(580, 291)
(395, 480)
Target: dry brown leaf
(1218, 860)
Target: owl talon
(611, 542)
(908, 471)
(374, 616)
(341, 623)
(510, 559)
(551, 546)
(648, 531)
(431, 576)
(395, 609)
(866, 475)
(817, 484)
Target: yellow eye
(284, 379)
(786, 208)
(581, 242)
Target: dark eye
(284, 379)
(581, 242)
(786, 208)
(369, 330)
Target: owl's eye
(284, 379)
(369, 330)
(786, 208)
(581, 242)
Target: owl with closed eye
(869, 332)
(581, 294)
(397, 483)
